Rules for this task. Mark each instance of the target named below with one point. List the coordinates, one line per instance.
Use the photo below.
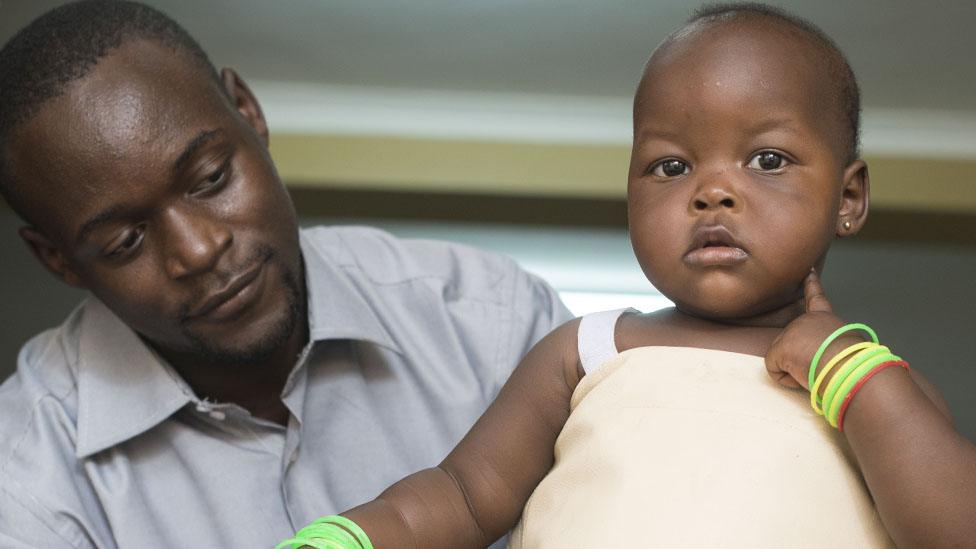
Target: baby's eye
(671, 167)
(767, 161)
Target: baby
(665, 429)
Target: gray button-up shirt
(102, 444)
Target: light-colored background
(510, 98)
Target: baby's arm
(477, 493)
(920, 471)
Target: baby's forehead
(753, 52)
(759, 65)
(744, 39)
(752, 65)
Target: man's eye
(767, 161)
(128, 242)
(671, 167)
(215, 179)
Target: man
(232, 377)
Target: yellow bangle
(854, 377)
(815, 401)
(846, 369)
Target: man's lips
(714, 246)
(233, 296)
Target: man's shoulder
(384, 259)
(45, 380)
(40, 475)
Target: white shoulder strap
(595, 338)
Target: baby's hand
(788, 359)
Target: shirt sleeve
(536, 311)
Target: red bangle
(859, 384)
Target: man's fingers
(814, 296)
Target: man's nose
(194, 242)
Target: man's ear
(245, 102)
(50, 256)
(855, 199)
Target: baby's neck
(675, 328)
(776, 318)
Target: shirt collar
(125, 389)
(338, 299)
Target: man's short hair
(63, 45)
(845, 83)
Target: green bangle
(849, 383)
(850, 366)
(839, 358)
(331, 532)
(830, 339)
(352, 527)
(321, 540)
(321, 536)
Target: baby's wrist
(852, 360)
(843, 342)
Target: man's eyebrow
(192, 148)
(103, 217)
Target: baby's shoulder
(635, 329)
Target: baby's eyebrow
(785, 123)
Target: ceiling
(914, 59)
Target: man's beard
(260, 349)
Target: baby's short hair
(62, 46)
(846, 89)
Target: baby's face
(736, 173)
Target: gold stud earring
(847, 225)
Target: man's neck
(254, 386)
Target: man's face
(736, 176)
(157, 193)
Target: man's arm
(477, 493)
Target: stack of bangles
(855, 366)
(331, 532)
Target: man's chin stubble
(262, 349)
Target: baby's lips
(716, 256)
(714, 236)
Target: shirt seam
(505, 348)
(354, 264)
(19, 439)
(418, 278)
(40, 520)
(6, 475)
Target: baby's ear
(854, 201)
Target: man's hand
(788, 359)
